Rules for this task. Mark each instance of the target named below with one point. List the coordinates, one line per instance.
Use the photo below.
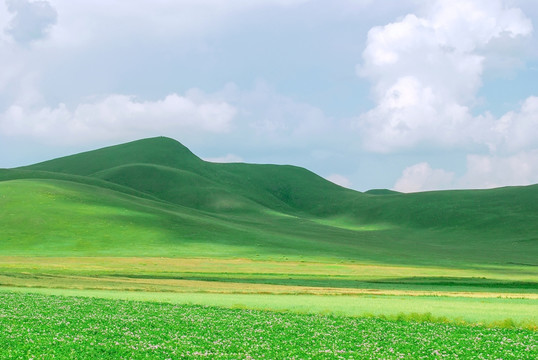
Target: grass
(98, 328)
(153, 197)
(284, 285)
(458, 310)
(74, 219)
(343, 277)
(150, 221)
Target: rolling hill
(154, 197)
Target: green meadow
(149, 221)
(486, 312)
(37, 326)
(155, 198)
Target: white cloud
(117, 117)
(516, 130)
(259, 118)
(339, 180)
(410, 113)
(425, 68)
(228, 158)
(421, 177)
(426, 71)
(485, 171)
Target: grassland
(486, 311)
(150, 221)
(36, 326)
(155, 198)
(340, 277)
(343, 288)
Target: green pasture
(66, 218)
(39, 327)
(149, 221)
(488, 311)
(151, 273)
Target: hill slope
(154, 197)
(164, 168)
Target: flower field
(44, 327)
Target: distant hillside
(155, 197)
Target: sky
(408, 95)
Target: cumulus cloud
(426, 70)
(117, 117)
(31, 21)
(254, 120)
(339, 180)
(421, 177)
(516, 130)
(482, 171)
(487, 171)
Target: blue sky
(409, 95)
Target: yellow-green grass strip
(488, 311)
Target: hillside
(154, 197)
(164, 168)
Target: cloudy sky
(409, 95)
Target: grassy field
(485, 296)
(150, 221)
(39, 327)
(175, 274)
(489, 311)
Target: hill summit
(156, 151)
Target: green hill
(154, 197)
(164, 168)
